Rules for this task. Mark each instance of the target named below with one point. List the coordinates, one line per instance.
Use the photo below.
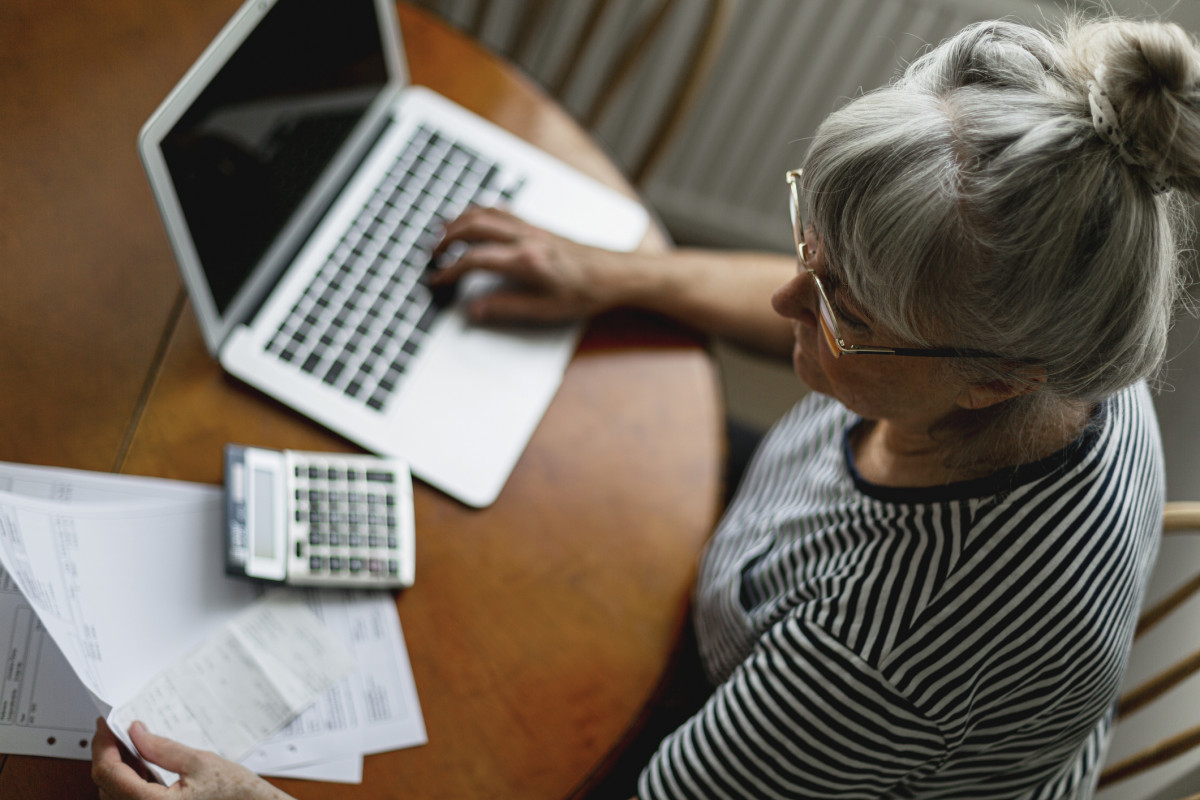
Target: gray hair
(973, 204)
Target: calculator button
(334, 474)
(299, 549)
(393, 566)
(356, 565)
(335, 564)
(355, 540)
(378, 476)
(375, 566)
(372, 541)
(393, 542)
(351, 475)
(316, 538)
(316, 563)
(336, 539)
(314, 473)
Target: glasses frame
(827, 316)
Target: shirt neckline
(999, 482)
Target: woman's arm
(553, 279)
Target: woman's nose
(794, 299)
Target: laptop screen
(246, 154)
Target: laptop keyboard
(364, 316)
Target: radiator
(784, 66)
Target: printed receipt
(247, 681)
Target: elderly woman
(927, 582)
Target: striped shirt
(962, 641)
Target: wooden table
(538, 628)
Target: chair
(1178, 518)
(628, 70)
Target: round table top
(538, 628)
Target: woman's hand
(202, 775)
(552, 279)
(547, 278)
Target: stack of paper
(108, 581)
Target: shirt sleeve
(801, 717)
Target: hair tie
(1104, 120)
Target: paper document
(373, 710)
(125, 589)
(124, 571)
(44, 709)
(245, 682)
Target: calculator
(318, 519)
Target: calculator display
(264, 513)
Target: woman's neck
(890, 455)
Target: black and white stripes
(964, 641)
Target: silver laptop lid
(253, 144)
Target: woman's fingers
(481, 225)
(164, 752)
(546, 278)
(502, 259)
(112, 775)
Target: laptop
(303, 183)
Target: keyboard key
(311, 363)
(334, 371)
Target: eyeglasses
(829, 324)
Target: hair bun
(1150, 73)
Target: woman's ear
(1026, 379)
